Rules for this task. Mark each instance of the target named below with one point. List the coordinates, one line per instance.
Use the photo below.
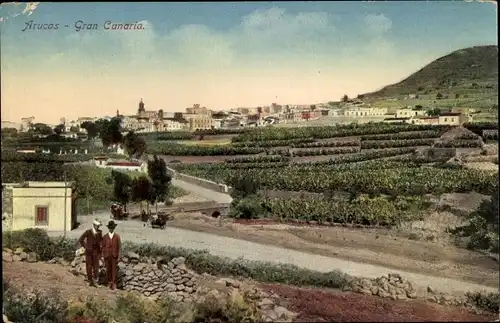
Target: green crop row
(404, 135)
(321, 152)
(380, 144)
(464, 143)
(361, 210)
(393, 181)
(274, 143)
(343, 143)
(257, 159)
(187, 150)
(274, 133)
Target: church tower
(141, 107)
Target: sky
(220, 55)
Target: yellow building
(199, 122)
(408, 113)
(451, 119)
(45, 205)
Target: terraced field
(387, 172)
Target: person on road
(91, 241)
(111, 244)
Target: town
(198, 118)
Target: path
(233, 248)
(203, 192)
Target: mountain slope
(465, 68)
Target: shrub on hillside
(199, 261)
(482, 229)
(41, 307)
(37, 240)
(487, 302)
(22, 307)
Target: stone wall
(150, 277)
(221, 188)
(395, 287)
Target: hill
(471, 68)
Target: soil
(312, 304)
(52, 277)
(419, 248)
(316, 305)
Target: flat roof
(33, 184)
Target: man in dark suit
(111, 244)
(91, 240)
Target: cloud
(274, 39)
(377, 24)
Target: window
(41, 215)
(445, 119)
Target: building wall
(25, 200)
(407, 113)
(449, 120)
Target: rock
(432, 298)
(139, 267)
(266, 304)
(365, 291)
(383, 293)
(24, 256)
(7, 257)
(18, 251)
(16, 258)
(179, 261)
(284, 314)
(430, 290)
(229, 282)
(32, 257)
(8, 250)
(395, 277)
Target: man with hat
(91, 241)
(111, 244)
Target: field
(384, 185)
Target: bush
(33, 307)
(199, 261)
(487, 302)
(37, 240)
(128, 308)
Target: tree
(457, 95)
(110, 132)
(439, 96)
(134, 145)
(122, 187)
(59, 129)
(91, 128)
(142, 190)
(434, 112)
(345, 98)
(74, 129)
(42, 129)
(361, 96)
(9, 132)
(312, 107)
(160, 179)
